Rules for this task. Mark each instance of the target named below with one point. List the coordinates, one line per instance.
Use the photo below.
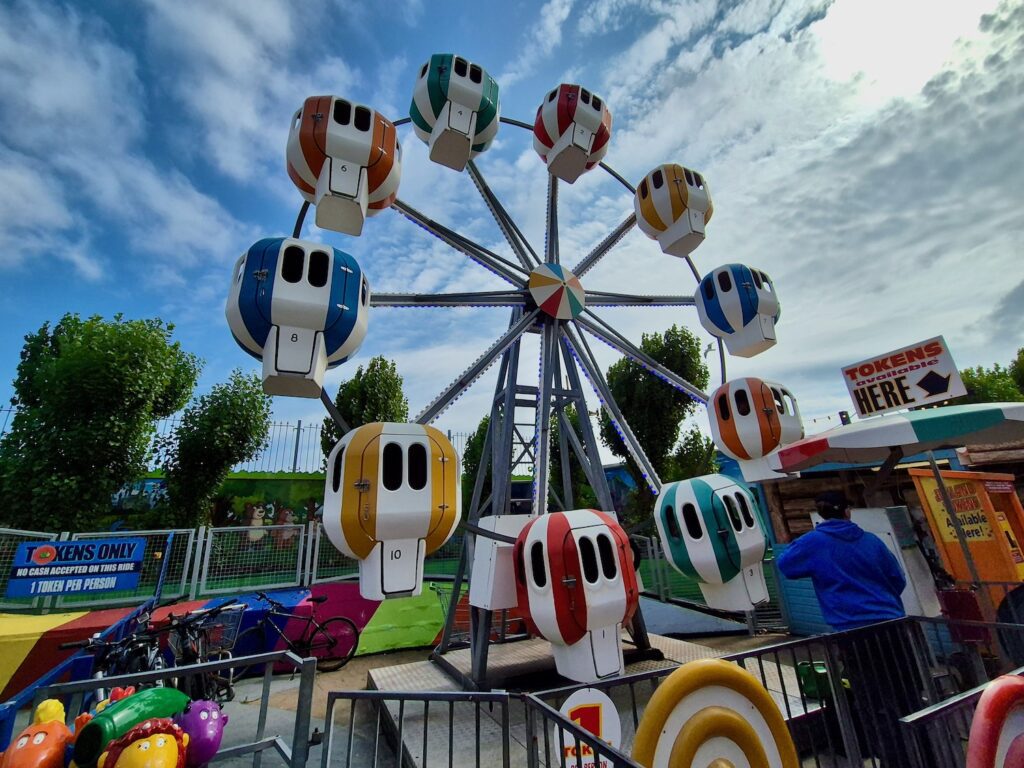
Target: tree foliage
(992, 385)
(1017, 369)
(583, 495)
(226, 426)
(655, 412)
(472, 455)
(87, 392)
(372, 394)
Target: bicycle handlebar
(75, 644)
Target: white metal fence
(213, 561)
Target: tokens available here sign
(904, 378)
(72, 567)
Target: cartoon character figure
(156, 743)
(285, 537)
(44, 743)
(204, 723)
(257, 517)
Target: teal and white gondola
(711, 531)
(455, 109)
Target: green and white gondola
(455, 109)
(711, 531)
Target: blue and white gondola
(299, 306)
(739, 305)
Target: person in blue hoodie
(858, 581)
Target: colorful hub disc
(557, 291)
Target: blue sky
(865, 153)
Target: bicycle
(200, 636)
(332, 643)
(131, 654)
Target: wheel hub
(557, 291)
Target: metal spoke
(585, 356)
(615, 175)
(604, 246)
(477, 299)
(471, 374)
(721, 359)
(542, 433)
(516, 240)
(500, 266)
(617, 341)
(592, 462)
(613, 299)
(551, 233)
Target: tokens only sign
(73, 567)
(592, 711)
(916, 375)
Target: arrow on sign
(934, 384)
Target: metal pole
(298, 439)
(986, 599)
(543, 431)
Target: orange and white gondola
(711, 532)
(673, 205)
(997, 730)
(392, 497)
(571, 131)
(299, 306)
(455, 109)
(738, 304)
(713, 713)
(745, 419)
(345, 159)
(790, 424)
(577, 587)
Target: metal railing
(293, 747)
(938, 734)
(384, 729)
(846, 697)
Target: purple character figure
(204, 723)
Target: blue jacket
(857, 579)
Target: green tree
(1017, 369)
(583, 496)
(87, 392)
(224, 427)
(655, 412)
(372, 394)
(991, 385)
(471, 459)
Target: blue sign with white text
(73, 567)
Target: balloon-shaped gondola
(571, 131)
(711, 531)
(738, 304)
(577, 587)
(455, 109)
(392, 497)
(673, 205)
(299, 306)
(344, 158)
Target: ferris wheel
(302, 307)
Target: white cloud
(544, 37)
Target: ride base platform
(510, 665)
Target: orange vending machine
(990, 514)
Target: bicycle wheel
(333, 643)
(252, 641)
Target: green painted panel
(408, 622)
